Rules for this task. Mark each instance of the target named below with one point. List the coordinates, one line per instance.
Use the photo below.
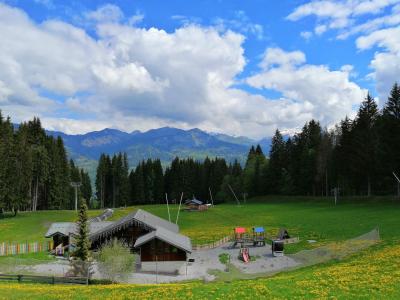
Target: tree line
(35, 173)
(357, 157)
(148, 182)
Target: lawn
(372, 273)
(318, 220)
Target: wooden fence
(22, 248)
(214, 244)
(45, 279)
(229, 238)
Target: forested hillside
(356, 157)
(35, 172)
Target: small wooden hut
(195, 205)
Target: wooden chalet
(154, 237)
(195, 205)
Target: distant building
(195, 205)
(154, 238)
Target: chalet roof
(178, 240)
(66, 228)
(140, 216)
(194, 201)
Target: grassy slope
(371, 273)
(319, 220)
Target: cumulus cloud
(374, 23)
(344, 15)
(106, 13)
(136, 78)
(386, 64)
(316, 87)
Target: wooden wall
(161, 251)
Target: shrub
(224, 258)
(115, 261)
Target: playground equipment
(277, 247)
(241, 237)
(283, 234)
(258, 236)
(244, 254)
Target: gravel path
(205, 260)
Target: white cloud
(326, 95)
(106, 13)
(136, 78)
(386, 65)
(240, 23)
(306, 35)
(374, 23)
(342, 15)
(277, 56)
(320, 29)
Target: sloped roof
(139, 216)
(194, 201)
(66, 228)
(258, 229)
(178, 240)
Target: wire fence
(24, 248)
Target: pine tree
(274, 171)
(365, 139)
(82, 239)
(158, 181)
(392, 107)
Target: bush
(224, 258)
(115, 261)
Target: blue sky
(238, 67)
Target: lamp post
(76, 185)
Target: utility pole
(237, 200)
(398, 184)
(76, 185)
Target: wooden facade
(157, 250)
(128, 235)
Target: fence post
(19, 278)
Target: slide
(245, 256)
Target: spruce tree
(82, 239)
(392, 107)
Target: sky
(235, 67)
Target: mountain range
(164, 143)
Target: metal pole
(179, 208)
(169, 215)
(76, 185)
(237, 200)
(156, 270)
(76, 198)
(212, 200)
(398, 184)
